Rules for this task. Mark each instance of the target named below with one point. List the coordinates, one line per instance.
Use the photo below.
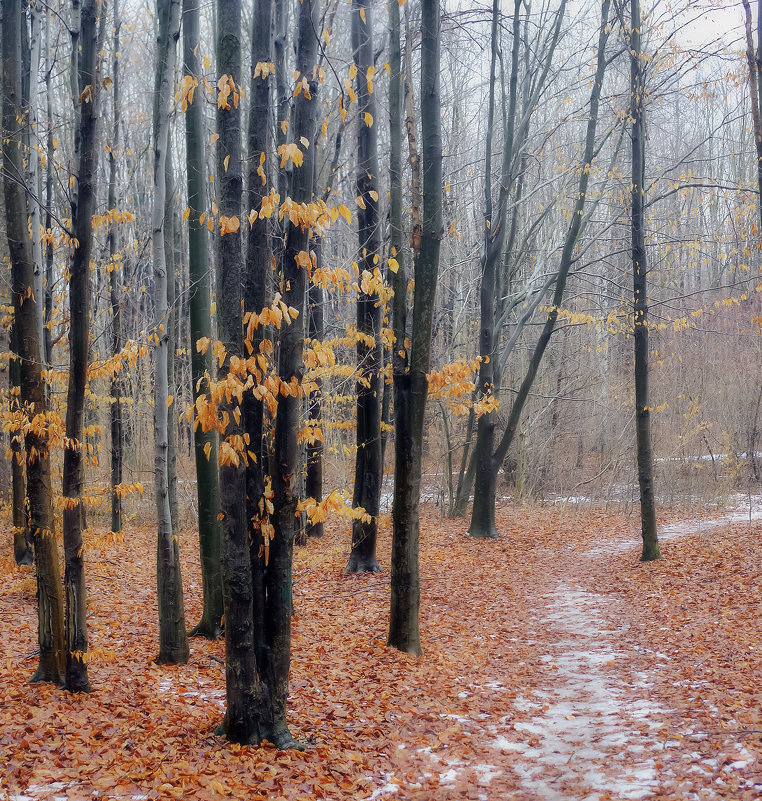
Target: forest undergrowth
(555, 666)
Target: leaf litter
(555, 666)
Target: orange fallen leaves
(379, 721)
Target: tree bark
(115, 310)
(755, 94)
(640, 296)
(412, 386)
(207, 470)
(368, 459)
(32, 393)
(173, 640)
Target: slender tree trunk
(173, 640)
(204, 442)
(316, 332)
(368, 460)
(115, 311)
(244, 689)
(257, 271)
(640, 296)
(567, 253)
(290, 371)
(31, 391)
(171, 258)
(23, 551)
(79, 336)
(755, 94)
(410, 395)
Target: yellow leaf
(284, 126)
(368, 119)
(226, 162)
(213, 138)
(169, 400)
(186, 214)
(362, 15)
(207, 450)
(374, 195)
(394, 265)
(206, 63)
(345, 213)
(360, 202)
(353, 71)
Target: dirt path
(590, 729)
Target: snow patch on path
(586, 720)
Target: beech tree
(411, 385)
(369, 457)
(173, 640)
(50, 608)
(83, 205)
(640, 294)
(204, 441)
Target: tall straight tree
(173, 639)
(204, 442)
(573, 232)
(640, 295)
(50, 605)
(255, 280)
(368, 460)
(83, 205)
(411, 387)
(258, 617)
(242, 682)
(278, 581)
(115, 305)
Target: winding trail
(590, 729)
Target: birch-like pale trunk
(173, 638)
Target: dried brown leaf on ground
(555, 666)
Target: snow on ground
(591, 728)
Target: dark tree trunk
(258, 269)
(207, 475)
(368, 460)
(640, 297)
(115, 291)
(79, 335)
(290, 370)
(313, 484)
(32, 391)
(411, 387)
(173, 639)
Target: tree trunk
(640, 297)
(32, 394)
(115, 291)
(173, 640)
(368, 459)
(411, 387)
(23, 551)
(755, 93)
(314, 479)
(207, 475)
(171, 258)
(290, 370)
(567, 253)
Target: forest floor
(555, 666)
